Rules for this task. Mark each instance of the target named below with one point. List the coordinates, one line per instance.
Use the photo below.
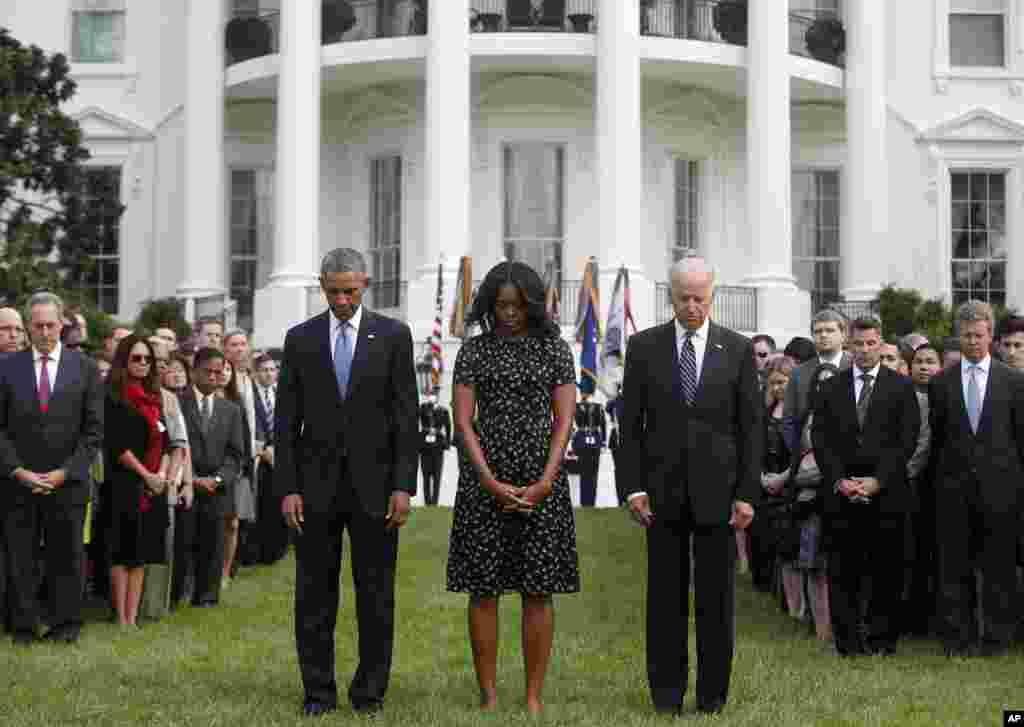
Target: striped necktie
(688, 369)
(973, 397)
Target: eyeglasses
(139, 358)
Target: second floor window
(816, 234)
(977, 33)
(687, 214)
(386, 232)
(97, 31)
(252, 237)
(979, 236)
(534, 221)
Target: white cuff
(636, 495)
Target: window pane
(98, 36)
(386, 231)
(816, 230)
(976, 40)
(960, 184)
(961, 245)
(997, 188)
(997, 276)
(979, 245)
(534, 207)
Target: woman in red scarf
(134, 441)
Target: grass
(236, 665)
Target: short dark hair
(865, 323)
(926, 346)
(529, 284)
(800, 349)
(1013, 324)
(183, 360)
(766, 338)
(207, 353)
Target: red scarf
(149, 406)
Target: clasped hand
(860, 488)
(519, 499)
(45, 483)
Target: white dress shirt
(353, 333)
(699, 340)
(858, 384)
(201, 401)
(51, 366)
(981, 376)
(836, 360)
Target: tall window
(979, 236)
(816, 234)
(534, 224)
(252, 237)
(386, 232)
(977, 33)
(97, 31)
(103, 280)
(687, 214)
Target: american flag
(436, 352)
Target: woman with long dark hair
(136, 478)
(513, 528)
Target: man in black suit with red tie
(863, 434)
(977, 418)
(692, 442)
(347, 443)
(51, 425)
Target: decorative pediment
(979, 126)
(99, 124)
(534, 93)
(689, 103)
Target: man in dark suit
(271, 530)
(435, 438)
(977, 418)
(51, 425)
(587, 442)
(12, 332)
(863, 434)
(828, 327)
(215, 435)
(692, 442)
(346, 439)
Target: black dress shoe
(25, 638)
(63, 634)
(674, 711)
(317, 709)
(205, 604)
(371, 710)
(956, 652)
(714, 706)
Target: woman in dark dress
(513, 528)
(134, 440)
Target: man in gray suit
(828, 328)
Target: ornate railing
(802, 21)
(735, 306)
(694, 20)
(548, 16)
(853, 309)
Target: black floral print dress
(493, 552)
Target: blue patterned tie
(688, 369)
(973, 397)
(342, 359)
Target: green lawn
(236, 665)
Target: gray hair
(343, 260)
(235, 332)
(44, 297)
(692, 264)
(975, 310)
(828, 315)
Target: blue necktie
(688, 369)
(342, 360)
(973, 397)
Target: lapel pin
(370, 336)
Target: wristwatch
(219, 480)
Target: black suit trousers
(4, 611)
(317, 594)
(208, 547)
(61, 527)
(865, 564)
(668, 606)
(183, 573)
(432, 466)
(590, 461)
(272, 528)
(973, 538)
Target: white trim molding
(98, 124)
(1013, 37)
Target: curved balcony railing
(818, 35)
(546, 16)
(692, 20)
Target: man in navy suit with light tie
(51, 425)
(347, 437)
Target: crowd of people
(141, 474)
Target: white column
(284, 302)
(204, 249)
(447, 136)
(620, 154)
(782, 308)
(864, 229)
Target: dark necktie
(44, 384)
(688, 369)
(864, 400)
(207, 413)
(269, 407)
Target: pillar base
(783, 310)
(278, 307)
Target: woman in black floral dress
(514, 400)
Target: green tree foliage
(904, 310)
(53, 216)
(164, 313)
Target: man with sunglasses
(764, 347)
(51, 425)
